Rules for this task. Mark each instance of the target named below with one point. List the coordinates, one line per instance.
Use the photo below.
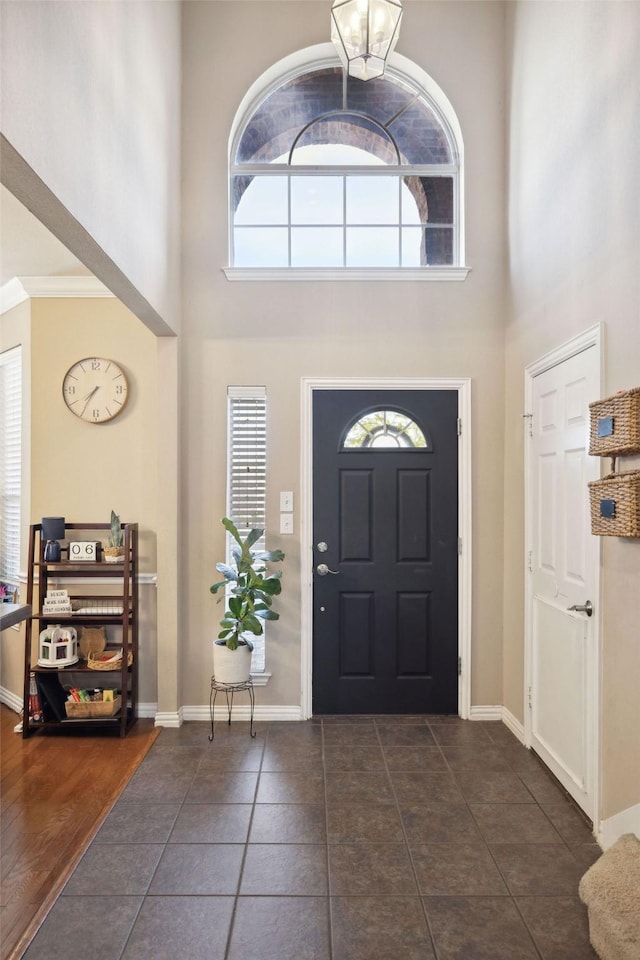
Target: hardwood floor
(55, 793)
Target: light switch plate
(286, 523)
(286, 501)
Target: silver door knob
(322, 569)
(586, 607)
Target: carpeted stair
(611, 891)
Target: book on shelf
(35, 706)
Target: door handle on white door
(586, 607)
(323, 570)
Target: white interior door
(563, 562)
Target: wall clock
(95, 389)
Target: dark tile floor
(342, 839)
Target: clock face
(95, 389)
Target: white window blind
(10, 463)
(247, 475)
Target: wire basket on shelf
(97, 607)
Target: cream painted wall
(573, 214)
(90, 106)
(276, 333)
(81, 470)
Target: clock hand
(95, 389)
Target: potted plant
(248, 588)
(114, 551)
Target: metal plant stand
(229, 689)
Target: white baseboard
(11, 700)
(498, 712)
(487, 712)
(169, 719)
(513, 724)
(610, 830)
(241, 712)
(268, 712)
(147, 710)
(198, 712)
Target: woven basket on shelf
(615, 505)
(615, 424)
(92, 709)
(96, 664)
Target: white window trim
(401, 274)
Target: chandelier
(364, 33)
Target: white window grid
(400, 172)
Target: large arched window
(330, 173)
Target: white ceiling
(28, 249)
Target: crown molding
(84, 286)
(19, 289)
(12, 293)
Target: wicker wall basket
(615, 425)
(615, 505)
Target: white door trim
(463, 387)
(593, 337)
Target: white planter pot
(231, 666)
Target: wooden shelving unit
(73, 575)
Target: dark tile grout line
(326, 845)
(406, 840)
(236, 898)
(144, 896)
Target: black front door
(385, 549)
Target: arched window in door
(384, 430)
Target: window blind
(10, 463)
(247, 475)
